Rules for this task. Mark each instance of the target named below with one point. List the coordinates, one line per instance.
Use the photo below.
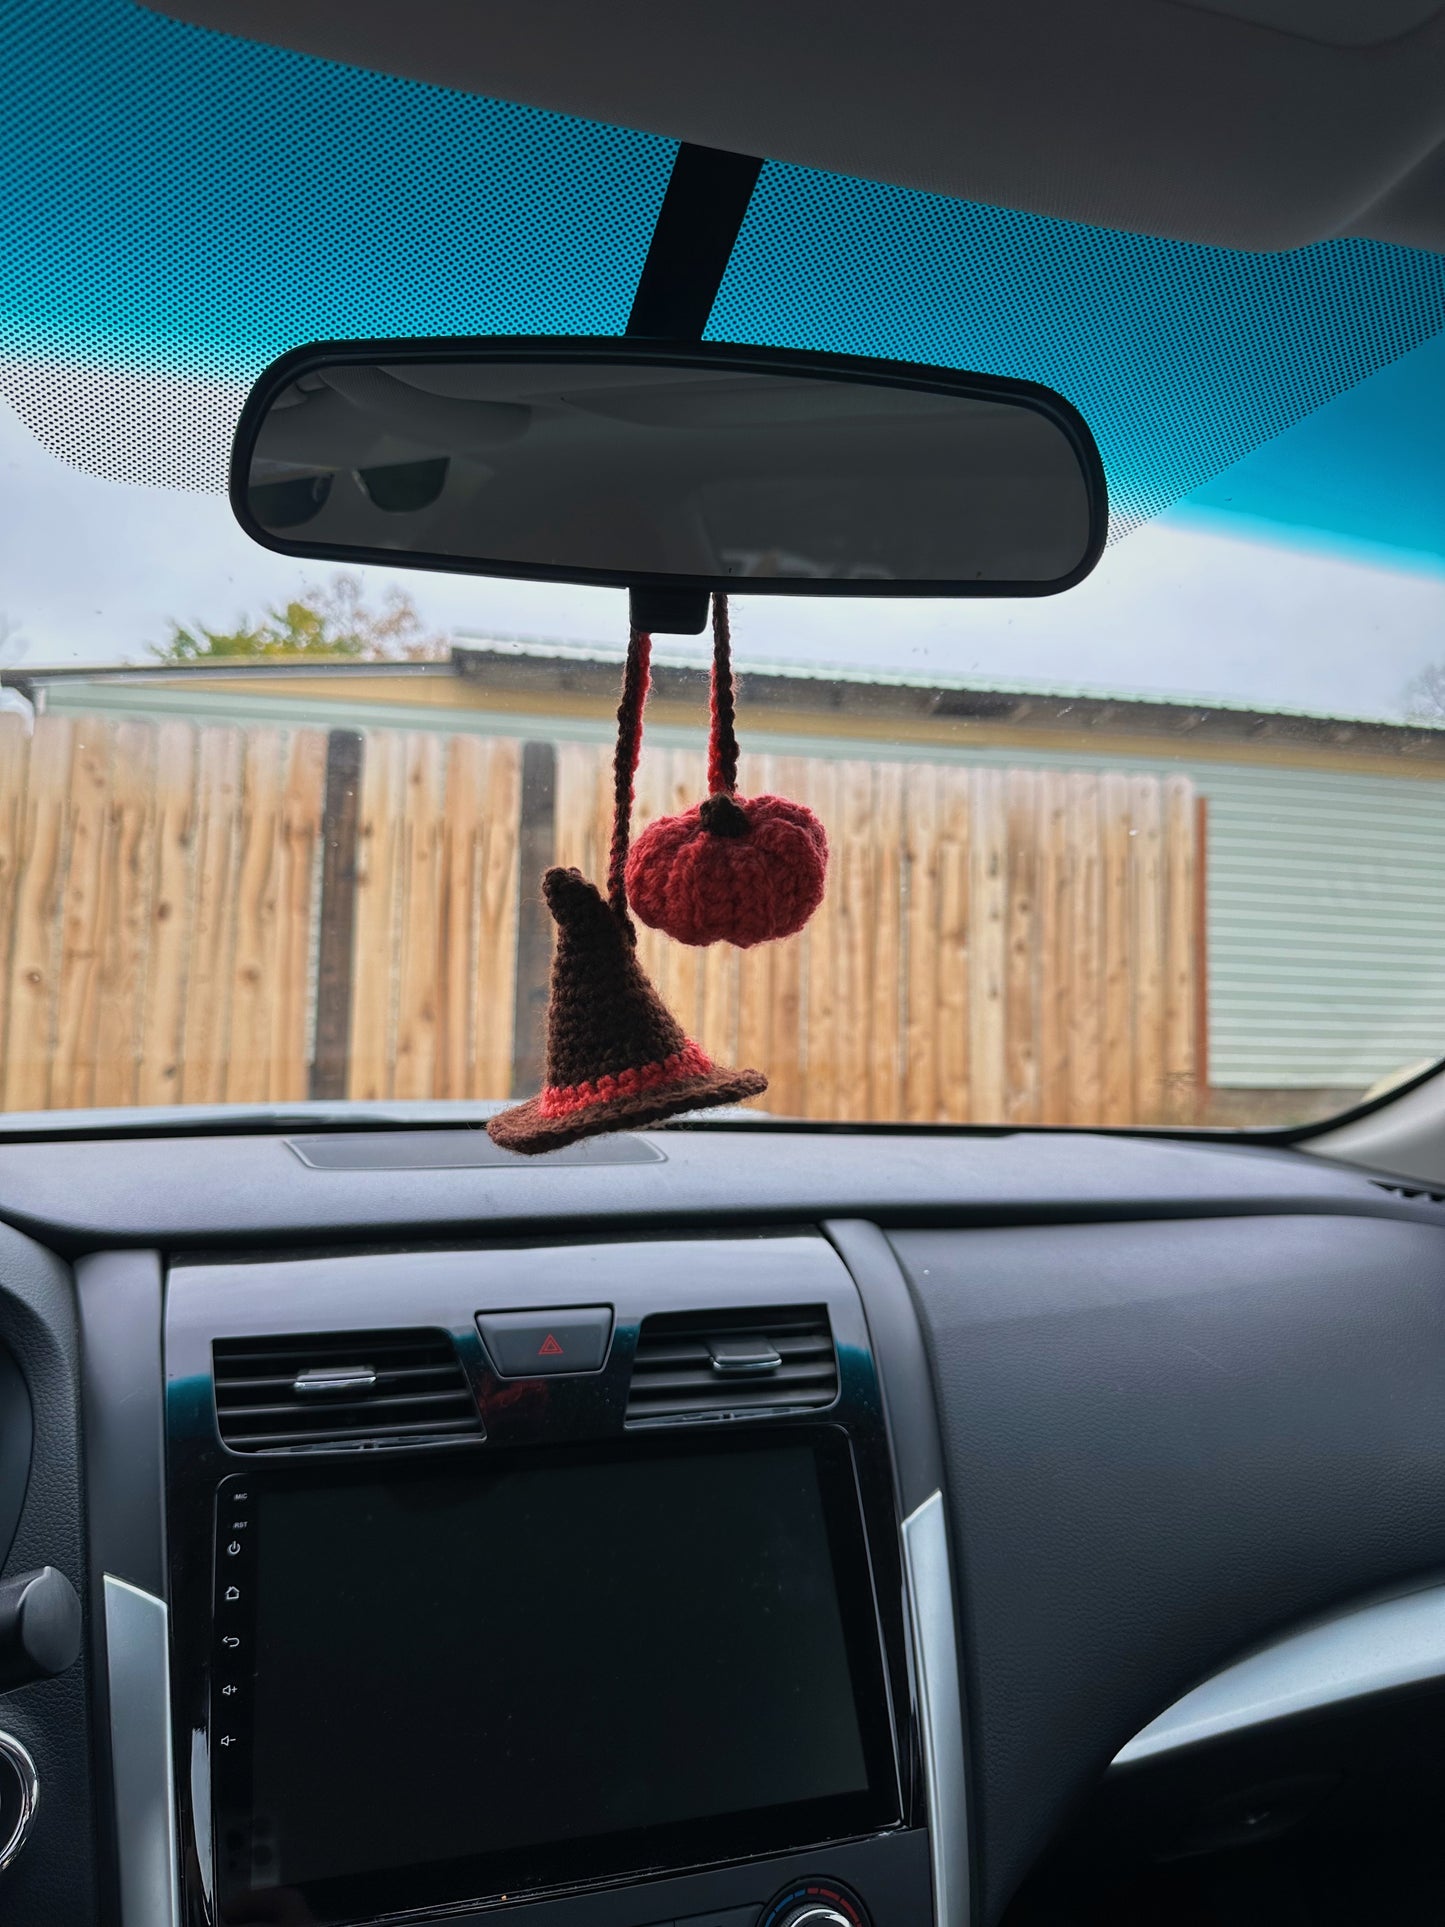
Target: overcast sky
(1188, 605)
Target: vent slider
(742, 1357)
(344, 1378)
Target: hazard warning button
(534, 1344)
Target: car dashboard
(750, 1528)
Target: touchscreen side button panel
(232, 1673)
(231, 1662)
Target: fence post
(341, 814)
(536, 850)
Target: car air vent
(1416, 1193)
(336, 1390)
(727, 1364)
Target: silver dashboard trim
(940, 1706)
(137, 1639)
(1370, 1648)
(24, 1768)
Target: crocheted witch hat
(615, 1054)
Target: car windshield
(1162, 850)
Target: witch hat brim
(528, 1128)
(616, 1056)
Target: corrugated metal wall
(1326, 925)
(1326, 920)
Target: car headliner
(1244, 123)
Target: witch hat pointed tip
(565, 888)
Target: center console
(565, 1581)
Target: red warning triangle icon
(549, 1348)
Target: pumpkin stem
(723, 816)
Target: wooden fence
(199, 914)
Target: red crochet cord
(636, 681)
(722, 743)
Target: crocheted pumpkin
(730, 870)
(733, 870)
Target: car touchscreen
(518, 1673)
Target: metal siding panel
(1326, 908)
(1326, 926)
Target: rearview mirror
(662, 467)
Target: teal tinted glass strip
(190, 205)
(1181, 358)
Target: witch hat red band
(615, 1053)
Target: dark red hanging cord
(722, 745)
(636, 680)
(721, 814)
